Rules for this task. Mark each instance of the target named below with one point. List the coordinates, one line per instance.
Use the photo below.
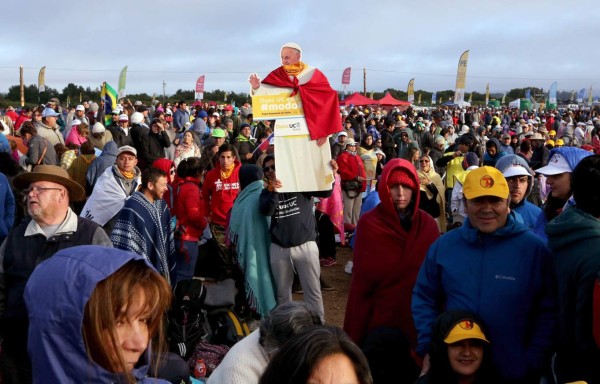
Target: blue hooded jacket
(100, 163)
(56, 295)
(528, 211)
(505, 278)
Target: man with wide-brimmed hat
(541, 154)
(52, 226)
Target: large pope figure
(302, 158)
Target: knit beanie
(401, 176)
(249, 173)
(470, 160)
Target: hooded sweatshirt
(528, 211)
(56, 295)
(574, 239)
(219, 194)
(100, 163)
(386, 262)
(491, 160)
(165, 165)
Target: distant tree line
(76, 93)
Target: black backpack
(188, 322)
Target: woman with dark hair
(40, 151)
(367, 154)
(191, 222)
(558, 184)
(460, 352)
(106, 323)
(432, 192)
(168, 167)
(318, 355)
(186, 148)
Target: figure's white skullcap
(293, 46)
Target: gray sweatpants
(352, 207)
(304, 259)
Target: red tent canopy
(358, 99)
(389, 100)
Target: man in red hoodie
(221, 186)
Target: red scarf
(319, 101)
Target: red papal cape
(319, 101)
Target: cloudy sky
(512, 43)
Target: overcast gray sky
(512, 44)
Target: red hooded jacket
(350, 167)
(169, 196)
(387, 259)
(189, 209)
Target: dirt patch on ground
(335, 301)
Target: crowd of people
(473, 233)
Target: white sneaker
(348, 267)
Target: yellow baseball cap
(485, 181)
(463, 330)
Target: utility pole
(164, 94)
(365, 82)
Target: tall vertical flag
(590, 96)
(80, 97)
(68, 101)
(471, 97)
(200, 88)
(433, 98)
(42, 80)
(411, 90)
(552, 93)
(108, 94)
(487, 94)
(580, 95)
(122, 81)
(418, 102)
(345, 80)
(504, 98)
(22, 85)
(441, 99)
(346, 77)
(461, 78)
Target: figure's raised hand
(254, 81)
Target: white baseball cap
(515, 170)
(556, 165)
